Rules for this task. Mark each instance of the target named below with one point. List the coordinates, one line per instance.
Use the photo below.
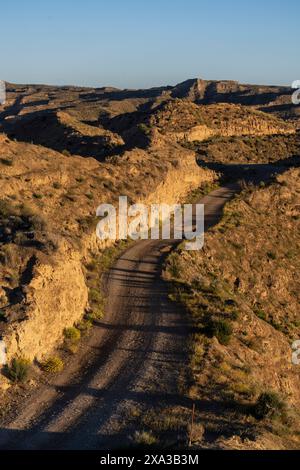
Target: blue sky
(130, 43)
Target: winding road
(131, 361)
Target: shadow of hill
(44, 128)
(253, 173)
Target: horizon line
(70, 85)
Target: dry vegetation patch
(250, 149)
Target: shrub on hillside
(145, 439)
(53, 365)
(72, 334)
(18, 370)
(221, 329)
(268, 405)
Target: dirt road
(131, 361)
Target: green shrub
(53, 365)
(95, 296)
(72, 334)
(268, 405)
(108, 257)
(144, 128)
(261, 314)
(173, 266)
(72, 338)
(56, 185)
(98, 311)
(276, 325)
(85, 325)
(221, 329)
(18, 370)
(90, 196)
(145, 439)
(90, 317)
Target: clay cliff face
(64, 192)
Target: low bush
(72, 337)
(261, 314)
(95, 296)
(37, 196)
(98, 312)
(90, 317)
(221, 329)
(72, 334)
(18, 370)
(144, 438)
(144, 128)
(173, 265)
(268, 405)
(85, 325)
(53, 365)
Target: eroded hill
(61, 117)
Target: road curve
(132, 360)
